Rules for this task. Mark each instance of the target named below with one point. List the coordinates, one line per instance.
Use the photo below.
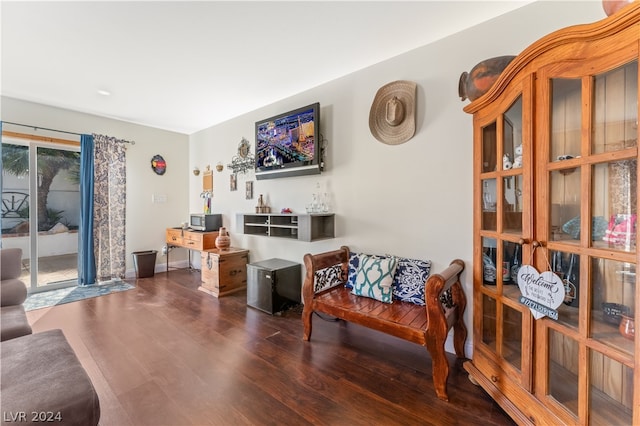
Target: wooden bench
(426, 325)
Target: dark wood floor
(168, 354)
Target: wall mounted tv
(289, 144)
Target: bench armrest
(439, 320)
(316, 262)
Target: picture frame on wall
(249, 190)
(233, 182)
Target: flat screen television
(288, 144)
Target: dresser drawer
(174, 236)
(193, 240)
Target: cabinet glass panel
(489, 204)
(513, 256)
(615, 197)
(489, 148)
(563, 370)
(610, 391)
(512, 259)
(512, 135)
(565, 205)
(489, 258)
(615, 113)
(613, 295)
(512, 336)
(566, 118)
(567, 267)
(512, 204)
(489, 310)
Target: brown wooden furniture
(570, 101)
(425, 325)
(224, 271)
(192, 240)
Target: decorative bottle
(572, 282)
(506, 267)
(516, 262)
(489, 268)
(557, 264)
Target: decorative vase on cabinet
(571, 111)
(223, 241)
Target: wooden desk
(189, 239)
(224, 271)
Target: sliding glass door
(40, 210)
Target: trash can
(145, 263)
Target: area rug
(61, 296)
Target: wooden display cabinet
(570, 102)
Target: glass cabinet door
(504, 322)
(588, 238)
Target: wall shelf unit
(302, 227)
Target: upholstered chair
(13, 292)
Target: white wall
(413, 199)
(146, 221)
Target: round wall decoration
(158, 164)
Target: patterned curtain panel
(109, 207)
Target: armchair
(13, 292)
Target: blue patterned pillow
(354, 262)
(408, 282)
(374, 277)
(327, 278)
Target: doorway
(41, 209)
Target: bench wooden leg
(440, 370)
(306, 322)
(459, 337)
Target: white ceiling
(186, 66)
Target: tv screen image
(287, 144)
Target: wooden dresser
(224, 271)
(194, 240)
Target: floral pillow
(354, 262)
(374, 277)
(327, 278)
(409, 280)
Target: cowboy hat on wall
(392, 117)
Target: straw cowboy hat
(392, 117)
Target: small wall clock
(158, 165)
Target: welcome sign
(542, 293)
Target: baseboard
(160, 267)
(468, 346)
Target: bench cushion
(374, 277)
(13, 322)
(327, 278)
(41, 373)
(409, 280)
